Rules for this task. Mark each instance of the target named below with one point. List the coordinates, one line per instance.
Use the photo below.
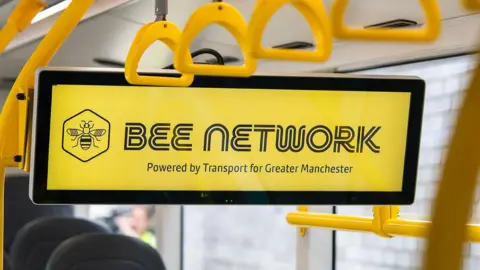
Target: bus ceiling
(116, 22)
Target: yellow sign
(152, 138)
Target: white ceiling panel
(104, 37)
(366, 12)
(109, 35)
(142, 11)
(289, 25)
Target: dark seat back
(19, 209)
(105, 251)
(6, 262)
(36, 241)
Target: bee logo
(86, 135)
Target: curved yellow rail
(456, 193)
(19, 19)
(389, 227)
(331, 221)
(165, 32)
(316, 16)
(14, 140)
(25, 80)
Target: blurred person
(137, 224)
(111, 220)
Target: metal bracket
(161, 10)
(380, 216)
(302, 230)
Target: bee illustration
(86, 135)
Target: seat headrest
(6, 262)
(36, 241)
(105, 251)
(19, 209)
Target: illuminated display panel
(258, 140)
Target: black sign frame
(46, 78)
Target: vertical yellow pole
(456, 193)
(52, 42)
(2, 210)
(47, 48)
(12, 119)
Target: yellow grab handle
(19, 19)
(429, 32)
(165, 32)
(227, 16)
(316, 16)
(471, 4)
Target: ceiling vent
(227, 59)
(117, 64)
(295, 45)
(398, 23)
(7, 82)
(109, 62)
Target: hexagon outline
(63, 135)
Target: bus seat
(19, 209)
(105, 251)
(6, 262)
(36, 241)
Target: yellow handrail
(420, 229)
(331, 221)
(19, 19)
(14, 140)
(411, 228)
(381, 214)
(391, 227)
(17, 130)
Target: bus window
(134, 221)
(238, 237)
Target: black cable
(220, 61)
(212, 52)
